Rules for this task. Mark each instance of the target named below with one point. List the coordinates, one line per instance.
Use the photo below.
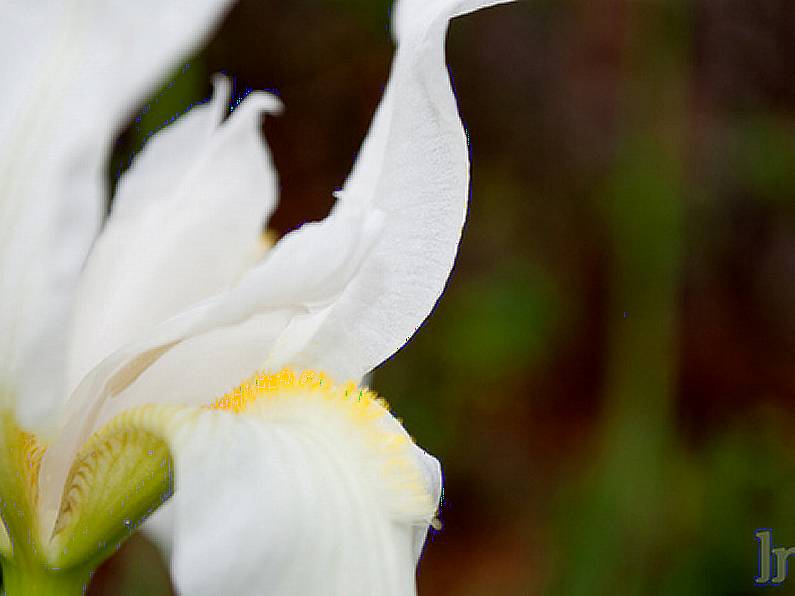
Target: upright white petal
(413, 166)
(72, 71)
(187, 222)
(361, 282)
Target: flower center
(124, 470)
(353, 419)
(286, 384)
(356, 414)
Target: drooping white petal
(186, 224)
(72, 71)
(305, 499)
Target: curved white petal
(72, 71)
(297, 496)
(186, 224)
(414, 169)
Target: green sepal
(121, 475)
(18, 477)
(5, 542)
(34, 580)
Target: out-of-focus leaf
(765, 157)
(501, 323)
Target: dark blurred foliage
(608, 379)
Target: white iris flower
(119, 344)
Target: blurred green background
(608, 379)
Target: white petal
(293, 499)
(188, 223)
(414, 169)
(72, 71)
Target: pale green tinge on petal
(186, 224)
(72, 72)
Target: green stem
(38, 581)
